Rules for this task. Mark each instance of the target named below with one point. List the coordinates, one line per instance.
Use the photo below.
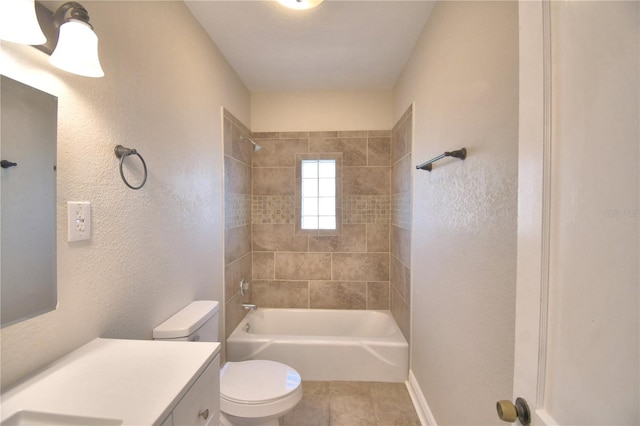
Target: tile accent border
(272, 209)
(401, 210)
(366, 209)
(237, 210)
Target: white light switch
(78, 220)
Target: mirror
(28, 135)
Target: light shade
(18, 22)
(300, 4)
(77, 50)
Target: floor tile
(353, 404)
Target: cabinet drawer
(202, 400)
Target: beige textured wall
(463, 77)
(349, 270)
(154, 250)
(320, 110)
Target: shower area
(362, 264)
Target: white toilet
(256, 392)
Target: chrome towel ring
(122, 152)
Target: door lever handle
(6, 164)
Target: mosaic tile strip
(237, 210)
(401, 210)
(365, 209)
(272, 209)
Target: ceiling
(352, 45)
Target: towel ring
(122, 152)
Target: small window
(318, 194)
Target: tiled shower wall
(362, 265)
(347, 269)
(237, 215)
(400, 232)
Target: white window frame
(319, 193)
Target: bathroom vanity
(122, 382)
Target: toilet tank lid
(187, 321)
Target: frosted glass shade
(300, 4)
(77, 50)
(19, 23)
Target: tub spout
(248, 306)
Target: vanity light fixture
(77, 48)
(65, 34)
(300, 4)
(19, 23)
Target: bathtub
(324, 344)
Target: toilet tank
(198, 321)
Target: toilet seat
(258, 388)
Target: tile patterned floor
(353, 404)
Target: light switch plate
(78, 220)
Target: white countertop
(136, 382)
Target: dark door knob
(6, 164)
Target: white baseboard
(419, 402)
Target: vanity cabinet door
(201, 405)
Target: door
(577, 328)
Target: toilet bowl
(255, 392)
